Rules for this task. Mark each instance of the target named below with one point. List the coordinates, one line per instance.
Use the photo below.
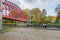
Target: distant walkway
(30, 33)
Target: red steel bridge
(12, 11)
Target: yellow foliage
(36, 15)
(26, 12)
(53, 17)
(13, 13)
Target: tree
(14, 13)
(36, 17)
(57, 9)
(53, 19)
(47, 19)
(44, 14)
(26, 11)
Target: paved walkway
(29, 33)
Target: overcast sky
(49, 5)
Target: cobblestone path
(29, 33)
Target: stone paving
(30, 33)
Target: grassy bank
(4, 29)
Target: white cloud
(34, 3)
(15, 2)
(51, 12)
(49, 5)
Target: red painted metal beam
(20, 14)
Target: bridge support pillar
(0, 16)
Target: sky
(49, 5)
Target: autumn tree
(26, 12)
(44, 15)
(36, 17)
(57, 9)
(47, 19)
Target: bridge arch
(11, 6)
(15, 14)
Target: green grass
(4, 29)
(7, 28)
